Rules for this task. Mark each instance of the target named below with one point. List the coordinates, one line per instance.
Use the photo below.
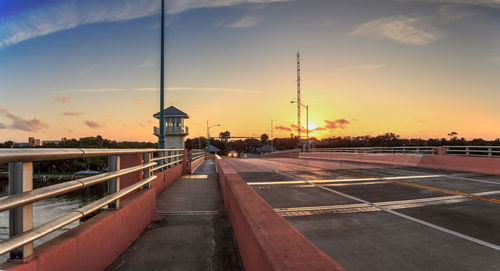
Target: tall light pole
(208, 135)
(161, 138)
(272, 136)
(307, 123)
(299, 128)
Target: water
(49, 209)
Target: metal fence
(195, 154)
(21, 196)
(484, 151)
(415, 150)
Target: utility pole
(161, 138)
(298, 96)
(307, 126)
(208, 135)
(272, 136)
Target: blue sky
(417, 68)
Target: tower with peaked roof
(175, 130)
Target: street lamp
(208, 135)
(307, 124)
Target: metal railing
(195, 154)
(283, 151)
(481, 151)
(172, 130)
(414, 150)
(21, 196)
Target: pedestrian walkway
(191, 230)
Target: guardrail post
(114, 184)
(21, 218)
(489, 152)
(169, 153)
(467, 151)
(146, 173)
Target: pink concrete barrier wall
(96, 243)
(281, 155)
(195, 164)
(486, 165)
(266, 241)
(166, 178)
(375, 158)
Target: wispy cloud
(450, 13)
(139, 101)
(63, 99)
(19, 123)
(368, 67)
(73, 114)
(93, 124)
(93, 90)
(107, 90)
(234, 90)
(486, 3)
(147, 63)
(336, 124)
(283, 128)
(70, 14)
(317, 129)
(246, 21)
(401, 28)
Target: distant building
(212, 149)
(175, 130)
(33, 142)
(267, 148)
(21, 144)
(54, 141)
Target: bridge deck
(374, 217)
(191, 231)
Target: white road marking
(383, 203)
(348, 180)
(190, 213)
(439, 228)
(192, 176)
(471, 179)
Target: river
(49, 209)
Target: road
(376, 217)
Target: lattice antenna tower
(299, 128)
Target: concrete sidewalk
(191, 230)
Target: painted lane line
(348, 180)
(383, 203)
(427, 187)
(471, 179)
(369, 209)
(262, 187)
(190, 213)
(282, 182)
(451, 232)
(439, 228)
(192, 176)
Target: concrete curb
(485, 165)
(266, 241)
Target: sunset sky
(421, 68)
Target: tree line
(74, 165)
